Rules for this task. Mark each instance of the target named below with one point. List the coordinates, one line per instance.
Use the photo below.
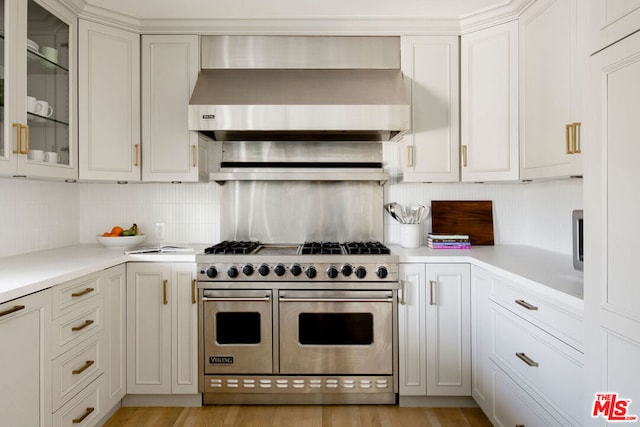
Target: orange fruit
(116, 230)
(106, 234)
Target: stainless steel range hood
(295, 104)
(297, 107)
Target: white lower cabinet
(434, 330)
(115, 318)
(25, 397)
(525, 371)
(161, 328)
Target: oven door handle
(294, 299)
(237, 299)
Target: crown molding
(507, 11)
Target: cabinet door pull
(137, 163)
(526, 359)
(193, 156)
(567, 131)
(526, 304)
(84, 292)
(27, 135)
(18, 126)
(576, 137)
(84, 325)
(410, 155)
(87, 364)
(193, 291)
(85, 415)
(12, 310)
(403, 285)
(432, 284)
(464, 156)
(164, 292)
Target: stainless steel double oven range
(308, 323)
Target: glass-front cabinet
(38, 121)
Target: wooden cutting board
(472, 217)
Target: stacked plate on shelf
(32, 46)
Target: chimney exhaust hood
(266, 97)
(297, 104)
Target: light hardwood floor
(299, 416)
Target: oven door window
(238, 328)
(335, 328)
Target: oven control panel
(298, 271)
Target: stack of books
(448, 241)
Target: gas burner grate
(366, 248)
(321, 248)
(232, 247)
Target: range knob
(247, 270)
(232, 272)
(263, 269)
(361, 272)
(212, 272)
(346, 270)
(382, 272)
(332, 272)
(311, 272)
(279, 270)
(296, 269)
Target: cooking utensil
(396, 211)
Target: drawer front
(68, 331)
(83, 410)
(566, 325)
(69, 295)
(74, 370)
(512, 406)
(542, 364)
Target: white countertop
(21, 275)
(522, 264)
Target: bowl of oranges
(121, 238)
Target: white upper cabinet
(432, 146)
(551, 69)
(37, 90)
(109, 103)
(170, 66)
(489, 107)
(614, 20)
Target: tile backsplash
(40, 215)
(37, 215)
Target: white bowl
(121, 241)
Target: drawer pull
(81, 293)
(81, 327)
(12, 310)
(87, 364)
(526, 305)
(193, 291)
(526, 359)
(88, 412)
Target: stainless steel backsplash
(297, 211)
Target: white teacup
(31, 104)
(43, 108)
(50, 53)
(36, 155)
(51, 157)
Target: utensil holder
(410, 235)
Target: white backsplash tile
(37, 215)
(189, 212)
